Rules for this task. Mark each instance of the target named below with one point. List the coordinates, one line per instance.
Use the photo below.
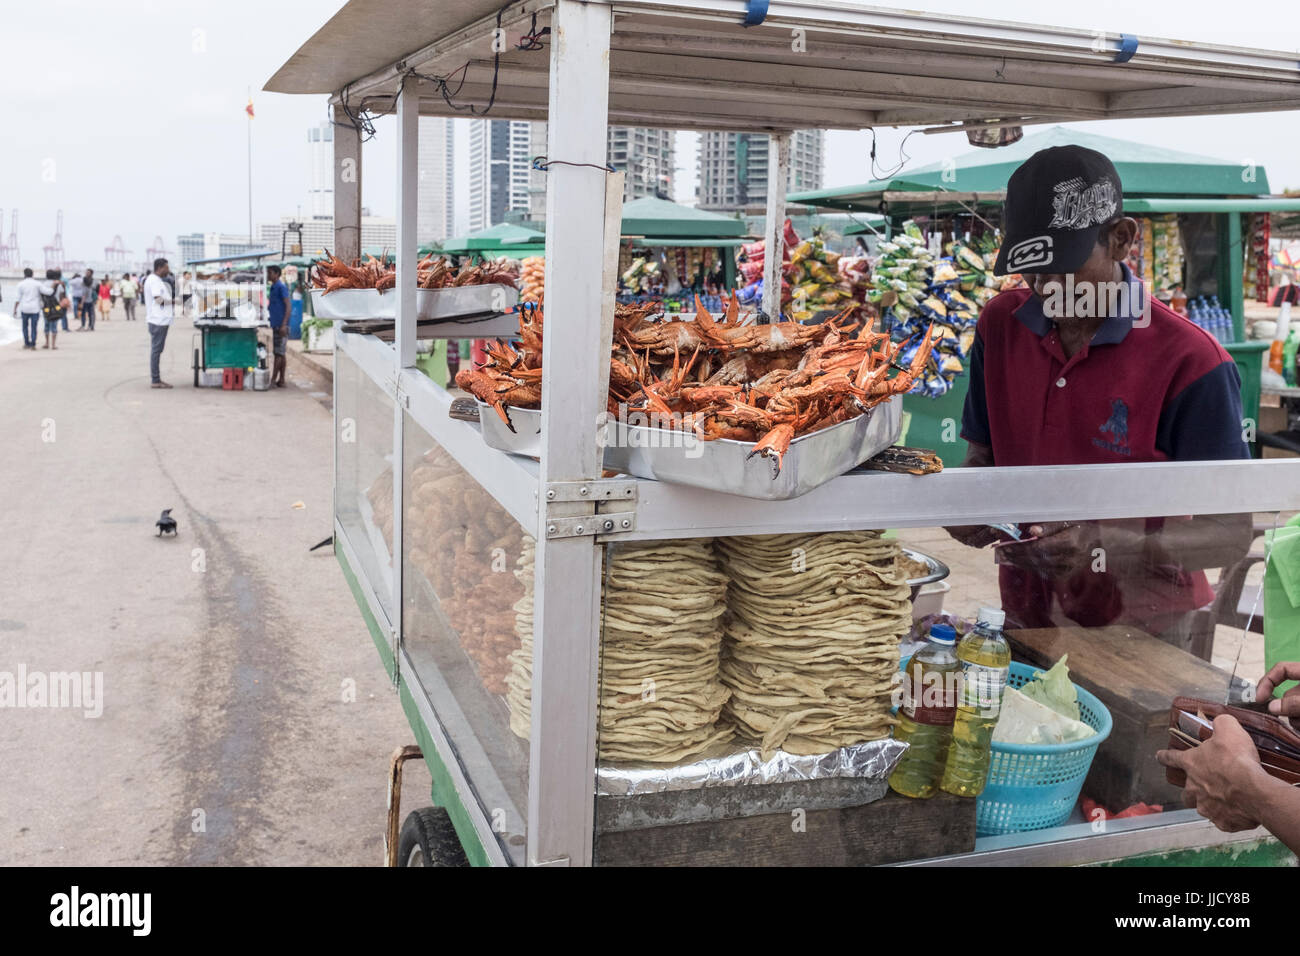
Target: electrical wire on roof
(531, 41)
(541, 163)
(904, 157)
(359, 116)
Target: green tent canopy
(651, 218)
(505, 238)
(1143, 170)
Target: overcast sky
(129, 114)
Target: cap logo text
(1078, 205)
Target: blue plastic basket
(1033, 786)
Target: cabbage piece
(1054, 689)
(1027, 721)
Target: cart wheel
(429, 839)
(196, 368)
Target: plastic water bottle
(985, 658)
(926, 714)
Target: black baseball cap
(1057, 202)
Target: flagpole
(249, 120)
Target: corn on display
(913, 287)
(811, 280)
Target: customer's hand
(1288, 705)
(1221, 776)
(1059, 550)
(975, 535)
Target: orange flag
(249, 109)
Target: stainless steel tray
(724, 465)
(938, 570)
(450, 304)
(525, 440)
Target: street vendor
(1084, 366)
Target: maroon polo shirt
(1146, 388)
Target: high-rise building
(436, 219)
(499, 163)
(648, 156)
(320, 181)
(734, 173)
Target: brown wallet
(1191, 722)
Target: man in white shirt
(29, 306)
(158, 314)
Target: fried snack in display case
(461, 550)
(363, 492)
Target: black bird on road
(166, 523)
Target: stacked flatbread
(519, 682)
(660, 692)
(812, 638)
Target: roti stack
(660, 691)
(812, 638)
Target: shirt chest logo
(1116, 426)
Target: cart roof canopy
(694, 65)
(981, 175)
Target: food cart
(229, 303)
(717, 64)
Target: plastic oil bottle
(985, 658)
(926, 714)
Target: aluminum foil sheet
(872, 760)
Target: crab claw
(774, 445)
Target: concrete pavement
(226, 653)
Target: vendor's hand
(1288, 705)
(1221, 774)
(1059, 551)
(975, 535)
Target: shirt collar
(1112, 331)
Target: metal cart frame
(698, 66)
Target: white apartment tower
(499, 162)
(648, 156)
(320, 181)
(435, 219)
(733, 167)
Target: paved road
(224, 653)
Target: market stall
(229, 307)
(511, 599)
(1193, 212)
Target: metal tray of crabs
(731, 466)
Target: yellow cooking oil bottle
(985, 658)
(925, 714)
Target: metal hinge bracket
(583, 525)
(604, 489)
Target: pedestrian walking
(105, 303)
(28, 306)
(277, 310)
(158, 296)
(89, 295)
(128, 290)
(76, 291)
(187, 292)
(54, 305)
